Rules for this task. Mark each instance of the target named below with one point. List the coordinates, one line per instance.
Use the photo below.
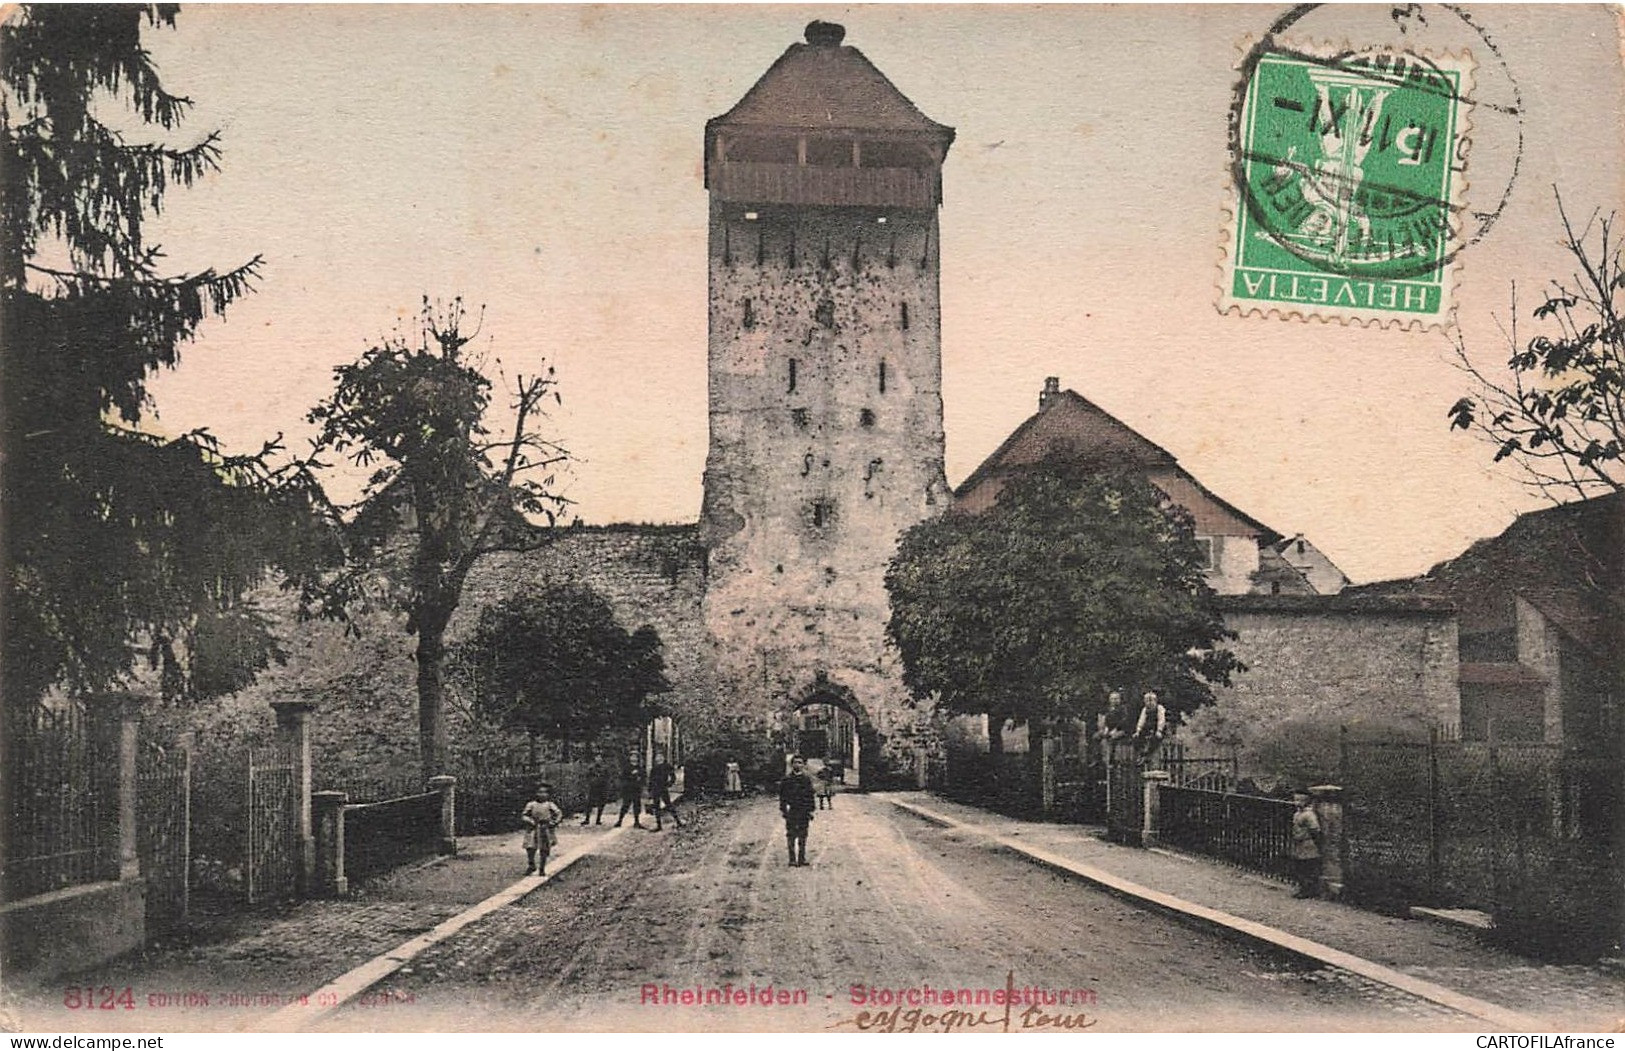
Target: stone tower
(826, 437)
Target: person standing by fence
(1306, 836)
(631, 790)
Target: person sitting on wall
(1113, 724)
(1151, 727)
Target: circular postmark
(1353, 161)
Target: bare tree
(444, 490)
(1559, 411)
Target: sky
(545, 161)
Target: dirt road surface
(891, 912)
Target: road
(888, 903)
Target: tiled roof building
(1245, 554)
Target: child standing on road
(796, 805)
(541, 819)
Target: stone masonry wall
(1314, 664)
(648, 574)
(365, 729)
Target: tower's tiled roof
(828, 86)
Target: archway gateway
(825, 722)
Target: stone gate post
(293, 728)
(1328, 802)
(328, 813)
(446, 785)
(1153, 780)
(129, 778)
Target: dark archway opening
(826, 725)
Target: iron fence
(164, 831)
(1080, 786)
(378, 789)
(490, 799)
(61, 787)
(1128, 761)
(273, 854)
(1523, 830)
(1253, 832)
(1391, 841)
(1004, 782)
(1210, 773)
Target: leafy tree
(555, 663)
(442, 491)
(122, 547)
(1558, 412)
(1078, 580)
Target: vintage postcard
(928, 518)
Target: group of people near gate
(542, 817)
(1145, 727)
(1148, 727)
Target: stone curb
(357, 980)
(1249, 930)
(1468, 919)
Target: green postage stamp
(1350, 179)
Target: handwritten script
(1013, 1012)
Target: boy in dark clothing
(598, 778)
(796, 803)
(631, 791)
(661, 777)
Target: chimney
(1052, 388)
(825, 34)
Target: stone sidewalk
(239, 969)
(1566, 997)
